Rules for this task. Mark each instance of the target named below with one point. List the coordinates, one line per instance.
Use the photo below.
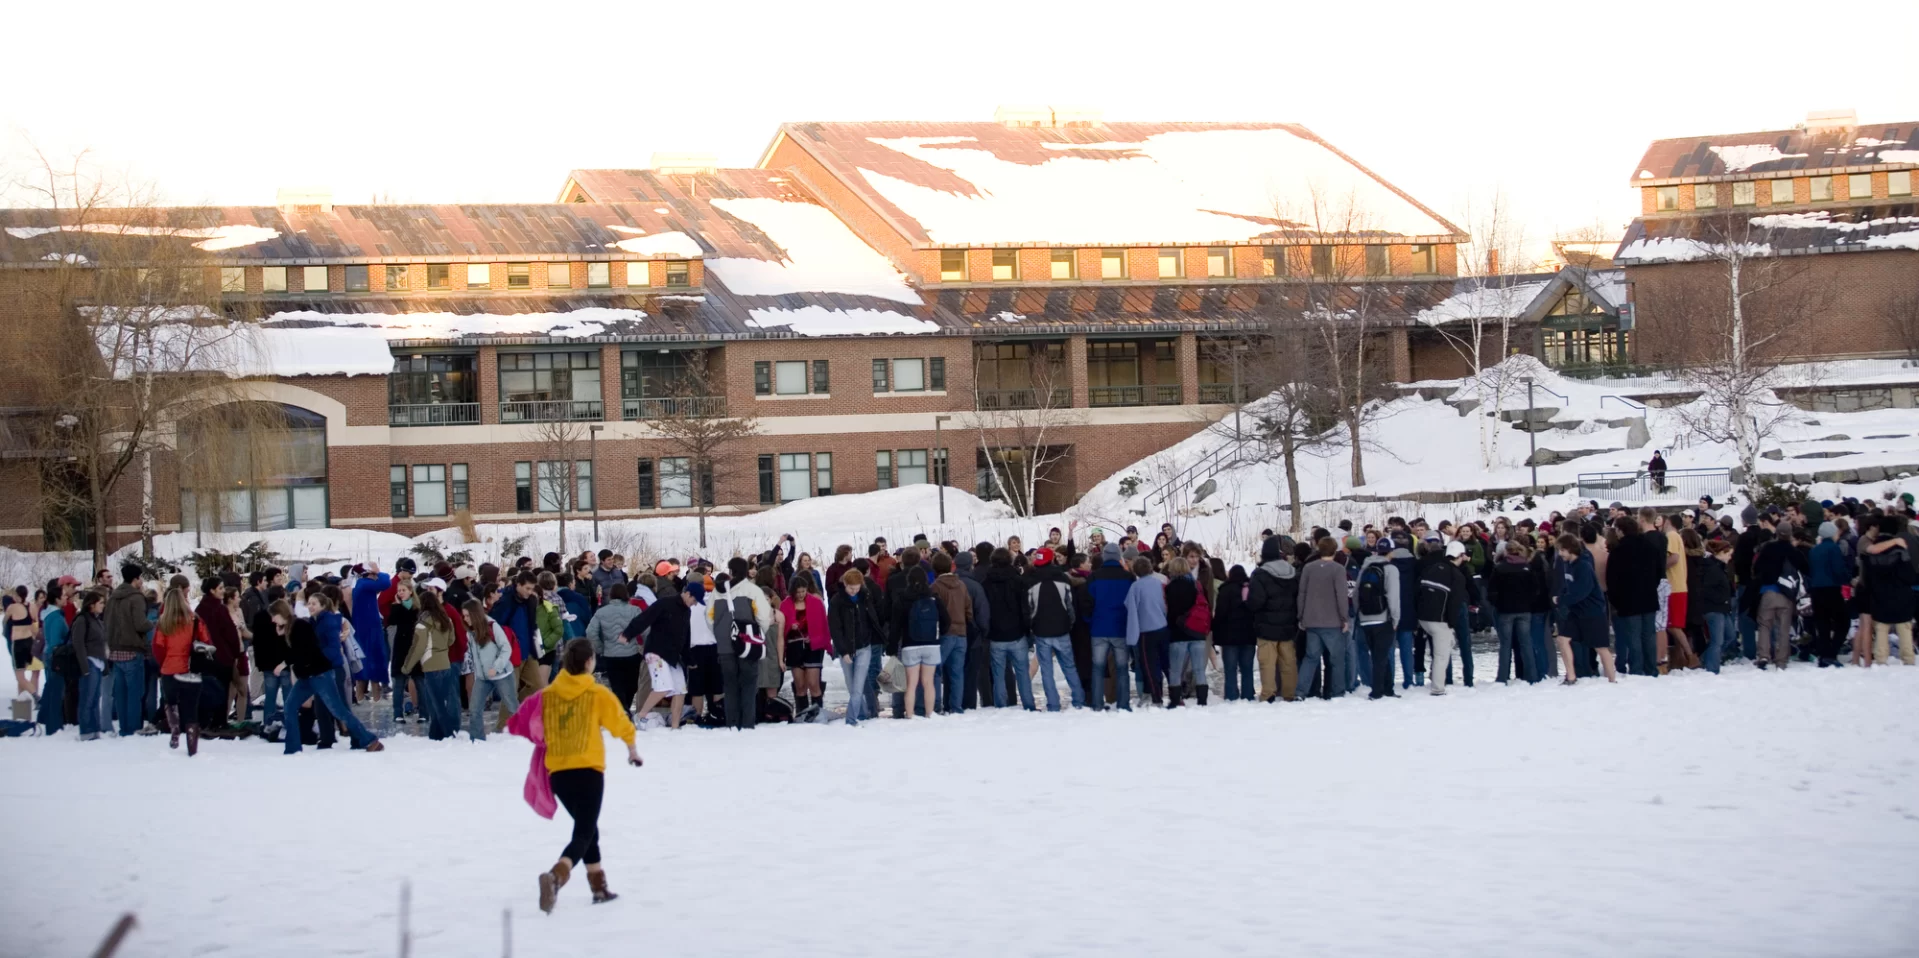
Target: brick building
(866, 280)
(1826, 209)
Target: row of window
(1819, 189)
(438, 490)
(442, 277)
(1064, 264)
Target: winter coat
(1580, 596)
(573, 710)
(1145, 606)
(1274, 598)
(1545, 582)
(956, 604)
(605, 579)
(431, 640)
(402, 623)
(326, 630)
(547, 617)
(89, 636)
(1322, 596)
(725, 629)
(1633, 575)
(576, 605)
(975, 582)
(126, 620)
(1232, 619)
(367, 625)
(1710, 582)
(1389, 579)
(666, 626)
(1830, 568)
(607, 631)
(174, 650)
(1512, 586)
(522, 617)
(1441, 576)
(1005, 604)
(1107, 587)
(1182, 594)
(1777, 559)
(493, 660)
(1049, 604)
(819, 635)
(304, 655)
(222, 634)
(1889, 581)
(855, 623)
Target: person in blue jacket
(370, 631)
(1108, 585)
(517, 608)
(1581, 608)
(1831, 571)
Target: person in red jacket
(174, 638)
(217, 624)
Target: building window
(1781, 193)
(459, 487)
(936, 373)
(911, 468)
(356, 279)
(1705, 196)
(1821, 189)
(396, 490)
(1745, 193)
(252, 496)
(789, 378)
(1424, 259)
(1005, 265)
(599, 275)
(273, 279)
(439, 276)
(881, 381)
(767, 495)
(1378, 263)
(1899, 183)
(519, 276)
(1066, 264)
(553, 484)
(1322, 261)
(396, 279)
(646, 483)
(1666, 198)
(1170, 264)
(796, 476)
(1112, 264)
(542, 387)
(479, 275)
(233, 279)
(559, 275)
(432, 390)
(679, 273)
(676, 483)
(883, 468)
(821, 383)
(903, 375)
(429, 490)
(639, 274)
(823, 468)
(952, 266)
(522, 487)
(1219, 262)
(940, 473)
(1859, 186)
(313, 279)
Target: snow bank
(821, 255)
(821, 321)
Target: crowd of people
(929, 629)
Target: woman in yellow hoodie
(573, 710)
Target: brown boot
(193, 740)
(596, 880)
(551, 881)
(173, 725)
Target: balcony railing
(676, 407)
(1161, 395)
(989, 399)
(1223, 393)
(434, 414)
(550, 410)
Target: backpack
(1370, 592)
(923, 621)
(1432, 599)
(746, 630)
(1199, 620)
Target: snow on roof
(1609, 285)
(211, 238)
(659, 244)
(574, 323)
(1485, 301)
(822, 255)
(821, 321)
(1899, 156)
(1742, 157)
(242, 350)
(1680, 249)
(1192, 186)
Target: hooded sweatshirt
(975, 582)
(574, 709)
(126, 619)
(1389, 574)
(1145, 606)
(1322, 595)
(1108, 586)
(1274, 597)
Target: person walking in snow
(1656, 470)
(493, 670)
(176, 639)
(314, 651)
(574, 710)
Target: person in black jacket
(1545, 587)
(1082, 566)
(1634, 569)
(667, 625)
(1758, 530)
(1273, 602)
(1512, 587)
(1889, 582)
(1779, 573)
(855, 623)
(1233, 632)
(1442, 601)
(1050, 617)
(270, 658)
(1709, 583)
(1006, 629)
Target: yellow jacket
(573, 710)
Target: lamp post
(593, 457)
(940, 465)
(1532, 438)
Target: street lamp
(1532, 437)
(940, 465)
(593, 457)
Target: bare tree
(556, 478)
(1901, 314)
(1018, 427)
(1293, 412)
(694, 422)
(1482, 315)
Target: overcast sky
(471, 102)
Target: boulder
(1205, 489)
(1836, 475)
(1871, 473)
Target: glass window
(554, 485)
(789, 378)
(1065, 263)
(823, 468)
(1424, 259)
(519, 276)
(940, 473)
(429, 490)
(936, 374)
(1322, 261)
(1781, 192)
(652, 373)
(1666, 198)
(1859, 186)
(676, 483)
(439, 276)
(1705, 196)
(273, 279)
(1112, 264)
(679, 273)
(479, 275)
(396, 279)
(559, 275)
(952, 266)
(796, 476)
(313, 279)
(523, 487)
(396, 489)
(639, 274)
(1219, 262)
(599, 275)
(1899, 183)
(429, 379)
(883, 468)
(767, 496)
(233, 279)
(356, 279)
(912, 467)
(882, 380)
(539, 377)
(820, 383)
(1821, 188)
(1378, 263)
(1112, 364)
(909, 375)
(1272, 261)
(762, 379)
(459, 487)
(646, 484)
(1005, 265)
(292, 496)
(1169, 264)
(1745, 193)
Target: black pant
(1829, 621)
(623, 677)
(740, 680)
(184, 698)
(1083, 657)
(580, 791)
(1153, 648)
(976, 685)
(1380, 642)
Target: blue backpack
(923, 621)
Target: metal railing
(990, 399)
(550, 410)
(434, 414)
(1623, 401)
(675, 407)
(1161, 395)
(1675, 485)
(1224, 393)
(1228, 454)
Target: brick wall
(1849, 295)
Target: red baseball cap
(1042, 556)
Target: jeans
(1379, 639)
(951, 683)
(873, 682)
(485, 690)
(1404, 640)
(855, 672)
(1718, 630)
(1463, 645)
(1545, 663)
(1516, 630)
(1330, 641)
(53, 702)
(1060, 647)
(89, 714)
(129, 690)
(275, 688)
(327, 689)
(1188, 658)
(1359, 658)
(1237, 662)
(399, 697)
(1633, 640)
(1747, 625)
(441, 691)
(1011, 655)
(1115, 646)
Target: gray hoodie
(1322, 595)
(1390, 574)
(606, 631)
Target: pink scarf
(817, 637)
(529, 724)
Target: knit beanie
(1749, 516)
(1828, 530)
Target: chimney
(304, 199)
(1830, 120)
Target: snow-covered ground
(1748, 814)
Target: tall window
(429, 491)
(459, 487)
(1745, 193)
(1065, 263)
(647, 489)
(676, 483)
(952, 266)
(313, 279)
(823, 470)
(883, 468)
(796, 476)
(1219, 262)
(1821, 188)
(545, 386)
(1170, 264)
(1005, 265)
(1782, 193)
(1859, 186)
(559, 275)
(1705, 196)
(356, 279)
(396, 281)
(1666, 198)
(769, 494)
(1424, 259)
(1112, 264)
(253, 491)
(273, 279)
(396, 490)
